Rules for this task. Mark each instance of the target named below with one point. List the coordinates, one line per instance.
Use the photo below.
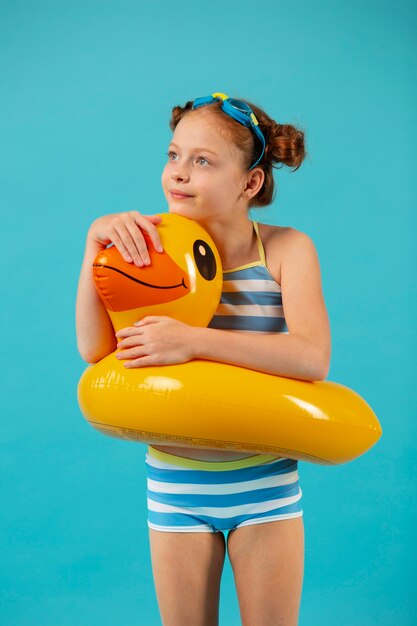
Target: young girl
(272, 318)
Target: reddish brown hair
(284, 143)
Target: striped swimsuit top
(251, 299)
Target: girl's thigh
(268, 566)
(187, 569)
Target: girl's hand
(156, 340)
(124, 230)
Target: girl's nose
(180, 173)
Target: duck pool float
(207, 404)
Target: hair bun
(285, 145)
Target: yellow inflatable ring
(205, 404)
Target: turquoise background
(86, 94)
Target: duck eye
(204, 259)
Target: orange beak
(123, 286)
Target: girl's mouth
(179, 196)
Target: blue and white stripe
(251, 301)
(211, 501)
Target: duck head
(184, 281)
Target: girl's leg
(268, 567)
(187, 568)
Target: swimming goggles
(239, 111)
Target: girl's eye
(173, 155)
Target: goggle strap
(247, 118)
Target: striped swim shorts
(186, 495)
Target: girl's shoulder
(280, 234)
(282, 243)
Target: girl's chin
(183, 210)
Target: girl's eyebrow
(173, 145)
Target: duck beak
(123, 286)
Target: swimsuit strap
(260, 244)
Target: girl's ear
(255, 181)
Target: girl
(220, 165)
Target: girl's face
(204, 166)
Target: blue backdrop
(87, 89)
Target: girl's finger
(127, 332)
(149, 319)
(128, 342)
(142, 362)
(118, 242)
(138, 241)
(145, 223)
(155, 219)
(132, 353)
(123, 242)
(134, 242)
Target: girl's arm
(304, 353)
(95, 333)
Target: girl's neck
(236, 244)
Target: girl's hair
(284, 143)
